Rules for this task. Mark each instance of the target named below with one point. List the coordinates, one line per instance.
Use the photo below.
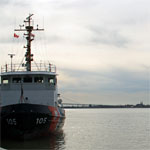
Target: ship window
(27, 80)
(16, 80)
(38, 79)
(5, 81)
(51, 81)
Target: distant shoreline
(103, 107)
(141, 105)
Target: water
(96, 129)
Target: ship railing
(34, 67)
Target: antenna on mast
(29, 37)
(11, 57)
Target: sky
(101, 47)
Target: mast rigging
(29, 37)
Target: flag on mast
(16, 36)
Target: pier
(75, 105)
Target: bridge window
(27, 80)
(38, 79)
(52, 80)
(5, 80)
(16, 80)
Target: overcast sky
(101, 47)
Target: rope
(20, 64)
(70, 100)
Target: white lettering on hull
(11, 121)
(41, 120)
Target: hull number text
(41, 120)
(11, 121)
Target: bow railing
(34, 67)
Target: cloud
(15, 2)
(116, 79)
(117, 86)
(101, 35)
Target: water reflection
(53, 142)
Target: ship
(30, 104)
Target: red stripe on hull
(56, 116)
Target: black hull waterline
(27, 121)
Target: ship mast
(29, 37)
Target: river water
(96, 129)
